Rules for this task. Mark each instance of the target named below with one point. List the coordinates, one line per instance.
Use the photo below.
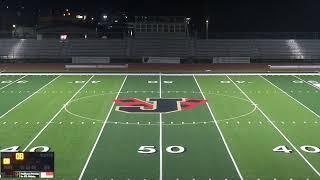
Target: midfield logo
(153, 105)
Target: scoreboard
(27, 165)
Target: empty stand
(160, 45)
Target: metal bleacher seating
(224, 48)
(160, 45)
(112, 47)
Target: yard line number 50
(169, 149)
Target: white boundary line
(306, 82)
(160, 130)
(163, 74)
(40, 132)
(290, 96)
(100, 133)
(280, 132)
(13, 82)
(28, 98)
(216, 123)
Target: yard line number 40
(307, 149)
(34, 149)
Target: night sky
(225, 15)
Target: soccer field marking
(49, 122)
(13, 82)
(290, 96)
(160, 129)
(220, 132)
(101, 131)
(3, 115)
(306, 82)
(280, 132)
(175, 124)
(156, 124)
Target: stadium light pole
(207, 29)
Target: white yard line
(40, 132)
(13, 82)
(306, 82)
(216, 123)
(100, 133)
(3, 115)
(160, 135)
(290, 96)
(280, 132)
(163, 74)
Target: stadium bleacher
(157, 46)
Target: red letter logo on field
(153, 105)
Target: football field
(166, 126)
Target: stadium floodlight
(207, 29)
(14, 26)
(188, 20)
(105, 17)
(63, 37)
(79, 17)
